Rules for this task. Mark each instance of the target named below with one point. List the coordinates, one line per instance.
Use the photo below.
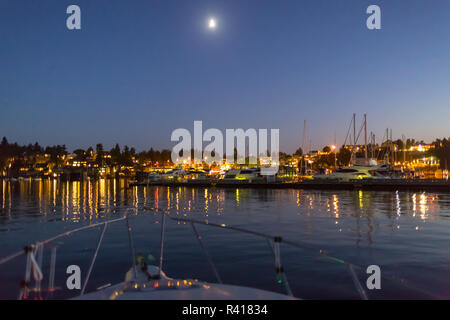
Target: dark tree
(344, 157)
(298, 152)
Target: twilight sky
(137, 70)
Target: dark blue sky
(139, 69)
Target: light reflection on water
(404, 232)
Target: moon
(212, 24)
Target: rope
(131, 243)
(321, 252)
(94, 257)
(23, 294)
(39, 253)
(208, 257)
(34, 267)
(37, 272)
(51, 277)
(44, 242)
(161, 247)
(279, 270)
(11, 257)
(359, 288)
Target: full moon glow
(212, 23)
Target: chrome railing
(34, 253)
(274, 243)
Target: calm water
(406, 234)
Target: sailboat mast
(372, 150)
(388, 146)
(304, 136)
(352, 158)
(304, 144)
(335, 150)
(365, 135)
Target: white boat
(173, 175)
(149, 282)
(356, 172)
(231, 174)
(166, 288)
(251, 174)
(142, 281)
(154, 177)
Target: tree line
(27, 154)
(23, 154)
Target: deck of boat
(205, 291)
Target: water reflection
(385, 228)
(74, 201)
(89, 200)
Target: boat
(195, 175)
(361, 168)
(154, 284)
(252, 174)
(149, 282)
(357, 172)
(153, 177)
(175, 175)
(142, 281)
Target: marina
(224, 158)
